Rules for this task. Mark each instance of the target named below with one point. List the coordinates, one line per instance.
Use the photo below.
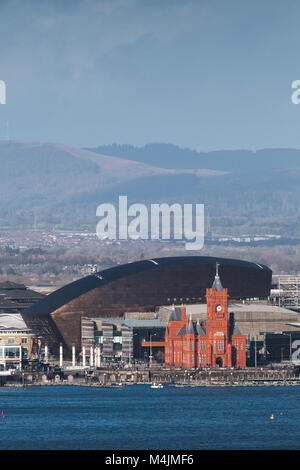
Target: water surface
(138, 417)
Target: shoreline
(178, 378)
(291, 383)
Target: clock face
(218, 308)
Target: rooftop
(75, 289)
(17, 297)
(155, 323)
(195, 309)
(10, 321)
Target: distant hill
(48, 175)
(60, 183)
(171, 156)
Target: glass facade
(10, 357)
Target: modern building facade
(213, 343)
(141, 286)
(123, 340)
(286, 292)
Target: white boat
(156, 385)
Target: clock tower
(216, 342)
(217, 324)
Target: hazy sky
(203, 74)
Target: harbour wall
(108, 377)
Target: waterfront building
(16, 342)
(99, 310)
(141, 286)
(122, 339)
(217, 342)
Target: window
(10, 340)
(12, 353)
(202, 358)
(24, 340)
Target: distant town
(42, 257)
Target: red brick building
(213, 343)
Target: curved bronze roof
(75, 289)
(141, 286)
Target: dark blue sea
(138, 417)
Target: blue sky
(203, 74)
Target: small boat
(116, 385)
(156, 385)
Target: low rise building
(15, 341)
(14, 298)
(124, 340)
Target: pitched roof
(182, 331)
(217, 285)
(201, 331)
(190, 329)
(7, 285)
(236, 330)
(176, 314)
(9, 321)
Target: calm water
(138, 417)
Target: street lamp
(150, 357)
(131, 348)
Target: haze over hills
(171, 156)
(243, 190)
(58, 184)
(39, 174)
